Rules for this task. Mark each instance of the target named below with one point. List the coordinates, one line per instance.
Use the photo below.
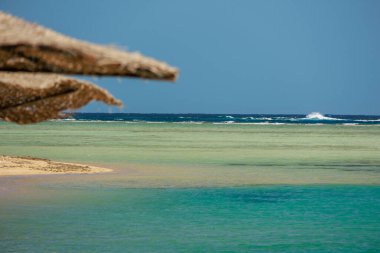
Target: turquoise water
(253, 219)
(194, 188)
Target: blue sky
(268, 56)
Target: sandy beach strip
(16, 165)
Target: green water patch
(327, 151)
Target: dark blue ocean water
(312, 118)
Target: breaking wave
(319, 116)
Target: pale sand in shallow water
(13, 166)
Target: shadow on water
(259, 197)
(248, 195)
(341, 167)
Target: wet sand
(17, 166)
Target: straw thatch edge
(30, 47)
(25, 99)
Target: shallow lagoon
(207, 154)
(194, 188)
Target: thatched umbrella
(28, 98)
(33, 97)
(29, 47)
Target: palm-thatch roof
(29, 47)
(29, 98)
(34, 97)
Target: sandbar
(20, 165)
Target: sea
(196, 183)
(311, 118)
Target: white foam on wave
(223, 123)
(263, 123)
(79, 120)
(64, 119)
(248, 123)
(258, 118)
(368, 120)
(318, 116)
(191, 122)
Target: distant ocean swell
(314, 118)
